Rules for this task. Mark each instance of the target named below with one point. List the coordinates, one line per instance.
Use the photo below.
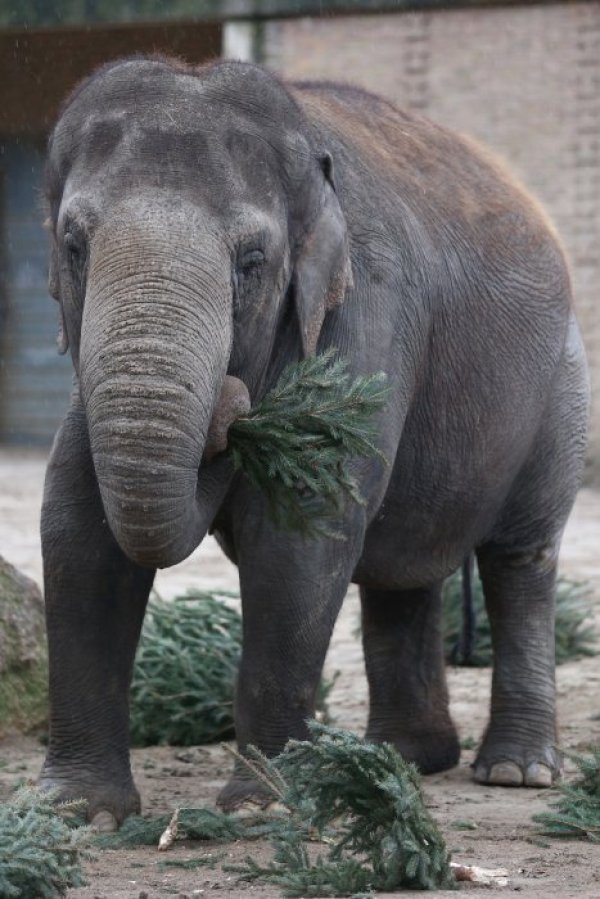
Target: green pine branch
(192, 824)
(41, 846)
(296, 445)
(576, 811)
(362, 800)
(185, 667)
(366, 802)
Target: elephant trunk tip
(233, 402)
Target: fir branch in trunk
(296, 445)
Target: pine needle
(576, 811)
(41, 846)
(296, 445)
(362, 800)
(192, 824)
(575, 632)
(185, 667)
(367, 804)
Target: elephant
(211, 225)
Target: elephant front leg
(95, 602)
(519, 746)
(405, 666)
(291, 595)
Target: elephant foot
(108, 804)
(241, 792)
(430, 750)
(510, 765)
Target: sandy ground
(501, 834)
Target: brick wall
(526, 80)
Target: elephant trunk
(155, 345)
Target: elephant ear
(62, 341)
(323, 272)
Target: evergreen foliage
(362, 800)
(192, 824)
(576, 812)
(182, 688)
(367, 803)
(191, 864)
(41, 849)
(295, 445)
(575, 633)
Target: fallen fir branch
(361, 801)
(366, 804)
(576, 811)
(191, 864)
(575, 632)
(42, 845)
(295, 446)
(134, 831)
(196, 824)
(185, 667)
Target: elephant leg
(95, 602)
(291, 595)
(519, 746)
(404, 659)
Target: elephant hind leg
(518, 571)
(404, 658)
(519, 746)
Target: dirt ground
(501, 834)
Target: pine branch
(363, 801)
(187, 660)
(368, 804)
(191, 864)
(41, 846)
(192, 824)
(296, 445)
(576, 812)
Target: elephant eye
(247, 276)
(250, 261)
(76, 258)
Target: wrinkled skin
(210, 226)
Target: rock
(23, 654)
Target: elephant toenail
(505, 774)
(104, 822)
(538, 775)
(480, 774)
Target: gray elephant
(210, 226)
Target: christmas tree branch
(297, 444)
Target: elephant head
(194, 228)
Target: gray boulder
(23, 656)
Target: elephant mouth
(233, 402)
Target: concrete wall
(526, 80)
